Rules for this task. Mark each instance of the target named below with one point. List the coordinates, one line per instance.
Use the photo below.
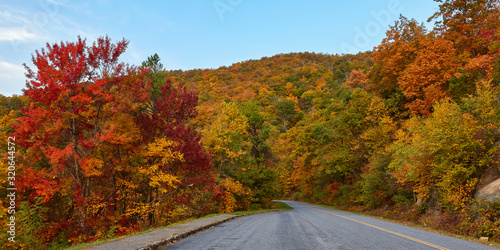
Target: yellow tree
(158, 172)
(159, 175)
(446, 152)
(226, 138)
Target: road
(312, 227)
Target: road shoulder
(164, 236)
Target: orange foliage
(470, 25)
(357, 79)
(398, 50)
(425, 80)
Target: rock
(484, 238)
(490, 191)
(489, 187)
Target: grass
(276, 206)
(415, 225)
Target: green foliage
(30, 223)
(263, 182)
(463, 85)
(450, 149)
(378, 187)
(285, 110)
(154, 64)
(488, 224)
(259, 133)
(157, 77)
(496, 72)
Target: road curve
(313, 227)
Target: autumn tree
(357, 78)
(426, 80)
(174, 106)
(392, 57)
(227, 139)
(346, 135)
(469, 25)
(76, 94)
(398, 50)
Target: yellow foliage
(138, 209)
(160, 155)
(92, 166)
(94, 204)
(178, 213)
(226, 137)
(126, 183)
(123, 128)
(290, 88)
(233, 189)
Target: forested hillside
(408, 129)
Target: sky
(193, 34)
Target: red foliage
(173, 108)
(74, 93)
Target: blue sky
(197, 33)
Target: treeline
(106, 149)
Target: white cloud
(12, 79)
(16, 34)
(18, 25)
(45, 21)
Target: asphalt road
(312, 227)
